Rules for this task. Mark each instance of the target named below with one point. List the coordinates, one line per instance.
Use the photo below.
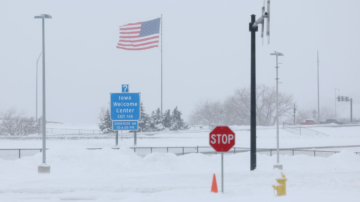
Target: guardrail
(9, 153)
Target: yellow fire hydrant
(281, 189)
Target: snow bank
(110, 174)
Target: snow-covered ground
(120, 175)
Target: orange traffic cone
(214, 185)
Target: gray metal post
(253, 31)
(335, 102)
(135, 138)
(294, 114)
(277, 107)
(222, 172)
(161, 65)
(44, 104)
(318, 87)
(36, 114)
(351, 110)
(117, 138)
(43, 168)
(277, 54)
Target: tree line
(235, 109)
(156, 121)
(15, 123)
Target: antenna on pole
(268, 21)
(261, 21)
(253, 28)
(262, 25)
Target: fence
(302, 130)
(142, 151)
(17, 153)
(61, 131)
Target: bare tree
(207, 113)
(236, 108)
(16, 124)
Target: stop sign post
(222, 139)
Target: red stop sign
(222, 138)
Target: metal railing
(18, 153)
(63, 131)
(209, 150)
(296, 129)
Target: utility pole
(253, 97)
(253, 28)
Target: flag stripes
(135, 37)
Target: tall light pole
(43, 168)
(278, 166)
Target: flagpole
(161, 66)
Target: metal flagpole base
(278, 166)
(43, 169)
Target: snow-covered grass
(107, 175)
(121, 175)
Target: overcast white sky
(206, 53)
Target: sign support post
(125, 111)
(222, 172)
(117, 138)
(222, 139)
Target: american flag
(140, 35)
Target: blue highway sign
(125, 125)
(125, 88)
(125, 106)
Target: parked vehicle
(332, 121)
(308, 122)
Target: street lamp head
(277, 54)
(43, 16)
